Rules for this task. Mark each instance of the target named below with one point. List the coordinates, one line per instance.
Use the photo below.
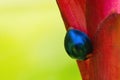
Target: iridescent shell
(77, 44)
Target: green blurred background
(31, 42)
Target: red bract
(100, 19)
(73, 14)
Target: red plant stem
(73, 16)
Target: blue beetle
(77, 44)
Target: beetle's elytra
(77, 44)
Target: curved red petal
(104, 63)
(97, 11)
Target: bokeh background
(31, 42)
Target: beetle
(77, 44)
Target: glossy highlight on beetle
(77, 44)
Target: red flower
(99, 19)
